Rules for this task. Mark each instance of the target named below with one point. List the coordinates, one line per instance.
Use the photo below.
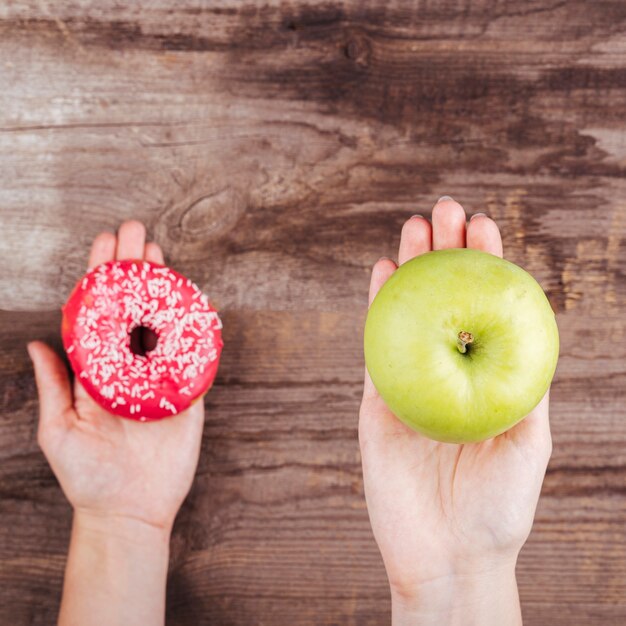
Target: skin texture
(125, 480)
(450, 519)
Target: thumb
(381, 272)
(533, 432)
(53, 386)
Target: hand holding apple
(450, 519)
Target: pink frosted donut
(142, 339)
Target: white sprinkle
(122, 300)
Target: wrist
(117, 567)
(118, 527)
(481, 593)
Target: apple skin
(412, 355)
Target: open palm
(107, 465)
(439, 508)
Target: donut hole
(143, 340)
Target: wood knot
(358, 50)
(214, 213)
(206, 216)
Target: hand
(111, 467)
(450, 519)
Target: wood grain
(274, 150)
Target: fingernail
(383, 258)
(417, 215)
(476, 215)
(28, 349)
(444, 198)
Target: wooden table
(274, 150)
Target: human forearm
(485, 597)
(116, 573)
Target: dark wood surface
(274, 150)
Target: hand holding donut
(125, 479)
(107, 465)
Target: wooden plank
(274, 150)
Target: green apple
(461, 344)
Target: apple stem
(463, 341)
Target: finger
(154, 253)
(131, 239)
(483, 234)
(53, 386)
(381, 434)
(416, 238)
(448, 224)
(381, 271)
(195, 414)
(370, 393)
(102, 250)
(533, 432)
